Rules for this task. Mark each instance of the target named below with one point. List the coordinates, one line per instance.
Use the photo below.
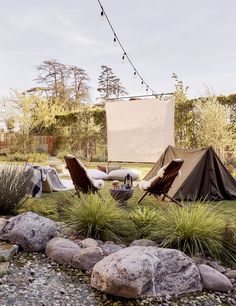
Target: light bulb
(115, 41)
(142, 83)
(135, 74)
(123, 57)
(147, 88)
(102, 15)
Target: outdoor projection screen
(139, 130)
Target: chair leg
(143, 196)
(172, 199)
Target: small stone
(214, 280)
(4, 268)
(87, 258)
(230, 274)
(143, 242)
(88, 242)
(7, 251)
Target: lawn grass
(49, 204)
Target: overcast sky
(193, 38)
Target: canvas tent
(203, 175)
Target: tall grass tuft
(142, 218)
(15, 186)
(193, 230)
(98, 218)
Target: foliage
(109, 84)
(15, 186)
(98, 218)
(194, 229)
(68, 84)
(142, 218)
(229, 235)
(183, 115)
(85, 128)
(30, 157)
(41, 206)
(212, 127)
(10, 124)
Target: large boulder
(30, 231)
(87, 258)
(62, 250)
(146, 271)
(214, 280)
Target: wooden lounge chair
(79, 176)
(161, 185)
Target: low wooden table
(121, 195)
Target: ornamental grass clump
(15, 186)
(92, 216)
(142, 218)
(196, 229)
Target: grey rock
(3, 223)
(146, 271)
(7, 251)
(87, 258)
(216, 266)
(143, 242)
(88, 242)
(214, 280)
(110, 248)
(230, 274)
(4, 268)
(29, 230)
(62, 250)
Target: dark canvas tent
(203, 175)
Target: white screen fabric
(139, 130)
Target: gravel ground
(34, 280)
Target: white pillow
(97, 174)
(121, 173)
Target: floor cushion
(121, 173)
(97, 174)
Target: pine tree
(109, 84)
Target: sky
(194, 39)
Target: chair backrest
(161, 185)
(79, 176)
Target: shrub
(228, 253)
(15, 186)
(98, 218)
(61, 154)
(29, 157)
(142, 218)
(195, 229)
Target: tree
(184, 136)
(68, 84)
(212, 124)
(109, 84)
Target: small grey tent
(203, 175)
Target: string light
(125, 56)
(114, 41)
(102, 14)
